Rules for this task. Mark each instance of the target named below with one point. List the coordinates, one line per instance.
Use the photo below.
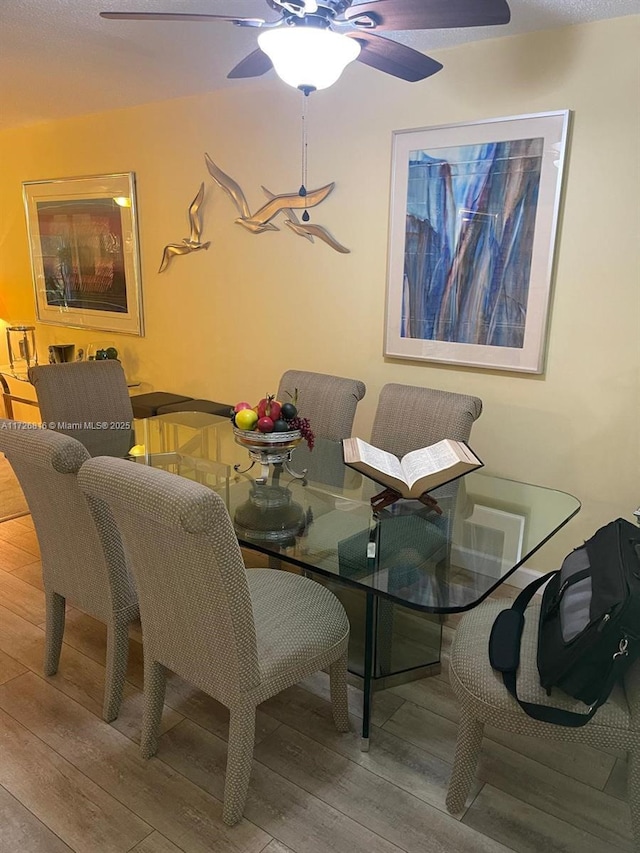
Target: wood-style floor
(69, 781)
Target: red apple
(273, 410)
(240, 406)
(265, 424)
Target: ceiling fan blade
(429, 14)
(254, 65)
(394, 58)
(171, 16)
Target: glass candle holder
(21, 343)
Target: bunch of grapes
(305, 428)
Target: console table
(9, 397)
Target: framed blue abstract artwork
(474, 214)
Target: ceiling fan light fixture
(308, 58)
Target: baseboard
(523, 576)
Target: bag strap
(511, 637)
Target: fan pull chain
(303, 188)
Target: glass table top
(324, 523)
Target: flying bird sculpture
(308, 229)
(261, 219)
(191, 243)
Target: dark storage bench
(162, 403)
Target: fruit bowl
(277, 442)
(270, 432)
(268, 448)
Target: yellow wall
(224, 324)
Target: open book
(417, 472)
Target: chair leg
(339, 695)
(55, 606)
(117, 656)
(465, 762)
(155, 680)
(633, 793)
(242, 729)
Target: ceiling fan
(311, 41)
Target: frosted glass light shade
(308, 56)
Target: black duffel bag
(589, 628)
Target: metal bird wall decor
(192, 243)
(261, 220)
(285, 203)
(308, 229)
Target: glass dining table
(396, 570)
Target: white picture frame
(473, 222)
(83, 240)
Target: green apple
(246, 419)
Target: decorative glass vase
(21, 343)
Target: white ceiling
(58, 58)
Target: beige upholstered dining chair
(485, 700)
(74, 567)
(240, 636)
(329, 402)
(409, 417)
(88, 400)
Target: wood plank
(165, 800)
(396, 815)
(9, 667)
(12, 557)
(385, 703)
(188, 701)
(425, 729)
(22, 598)
(156, 843)
(526, 829)
(580, 761)
(76, 809)
(20, 536)
(617, 784)
(78, 676)
(26, 520)
(89, 636)
(22, 831)
(540, 786)
(410, 768)
(292, 816)
(277, 847)
(30, 574)
(555, 794)
(434, 694)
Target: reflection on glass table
(187, 444)
(394, 570)
(193, 434)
